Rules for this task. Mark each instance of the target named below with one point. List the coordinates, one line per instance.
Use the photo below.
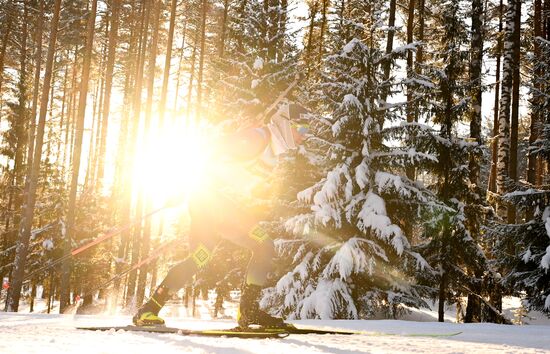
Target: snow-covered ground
(51, 333)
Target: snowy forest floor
(53, 333)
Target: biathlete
(214, 216)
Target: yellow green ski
(232, 333)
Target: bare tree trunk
(223, 27)
(36, 87)
(178, 74)
(476, 60)
(71, 212)
(33, 295)
(136, 238)
(167, 62)
(322, 30)
(100, 122)
(473, 309)
(309, 47)
(192, 75)
(5, 40)
(90, 179)
(121, 192)
(543, 167)
(62, 114)
(201, 58)
(281, 50)
(411, 114)
(70, 110)
(535, 117)
(411, 106)
(536, 102)
(109, 71)
(27, 218)
(144, 195)
(22, 119)
(494, 143)
(441, 297)
(513, 171)
(15, 195)
(505, 101)
(420, 50)
(389, 46)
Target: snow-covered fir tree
(351, 257)
(522, 251)
(449, 243)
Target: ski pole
(154, 254)
(94, 242)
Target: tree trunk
(411, 106)
(71, 212)
(33, 295)
(109, 71)
(441, 296)
(22, 109)
(505, 101)
(323, 28)
(5, 40)
(513, 171)
(536, 102)
(192, 76)
(476, 60)
(389, 47)
(27, 218)
(36, 85)
(70, 112)
(136, 238)
(15, 192)
(473, 309)
(144, 195)
(309, 47)
(121, 195)
(62, 114)
(494, 143)
(167, 62)
(204, 12)
(411, 114)
(178, 74)
(420, 50)
(223, 30)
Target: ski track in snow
(42, 333)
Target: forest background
(425, 174)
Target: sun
(170, 163)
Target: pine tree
(450, 236)
(351, 257)
(523, 249)
(28, 212)
(526, 265)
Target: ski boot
(147, 315)
(249, 313)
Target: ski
(238, 332)
(303, 330)
(230, 333)
(434, 335)
(312, 330)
